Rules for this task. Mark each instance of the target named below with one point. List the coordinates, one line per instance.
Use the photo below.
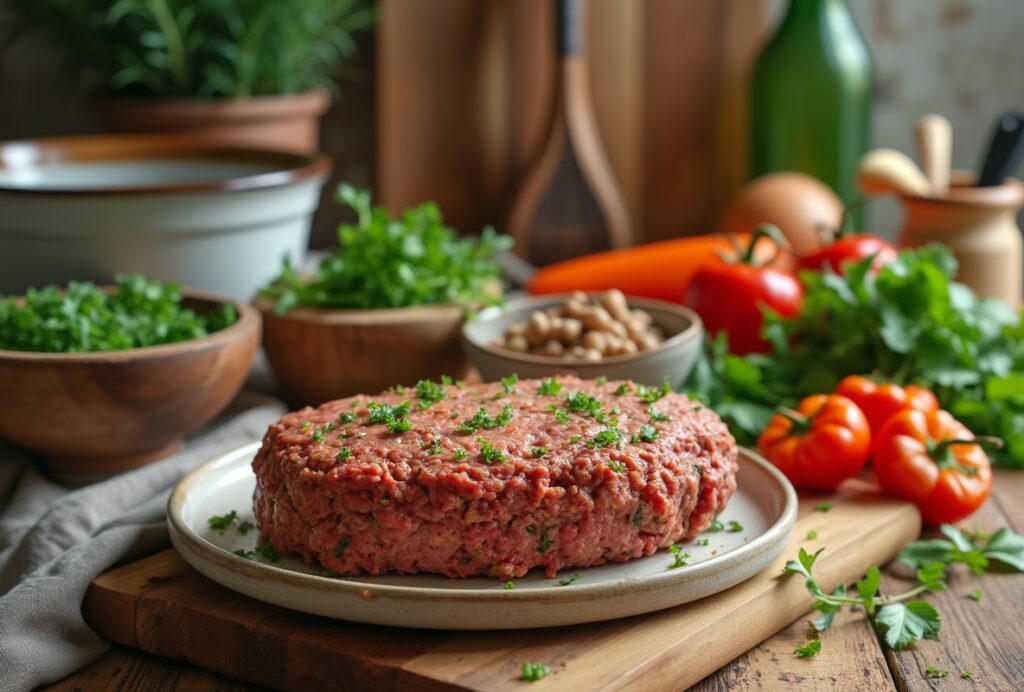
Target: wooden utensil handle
(570, 27)
(935, 142)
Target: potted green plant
(246, 72)
(385, 307)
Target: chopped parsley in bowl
(86, 318)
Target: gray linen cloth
(55, 540)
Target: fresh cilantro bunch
(910, 322)
(381, 263)
(84, 318)
(902, 619)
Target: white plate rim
(196, 550)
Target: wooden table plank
(983, 637)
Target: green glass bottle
(811, 97)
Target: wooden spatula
(569, 203)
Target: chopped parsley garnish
(652, 394)
(573, 439)
(616, 466)
(489, 453)
(975, 594)
(344, 454)
(247, 554)
(545, 542)
(344, 543)
(84, 318)
(699, 469)
(605, 438)
(581, 402)
(812, 535)
(435, 447)
(531, 529)
(509, 383)
(565, 582)
(623, 388)
(305, 426)
(703, 541)
(638, 518)
(395, 417)
(221, 523)
(657, 417)
(808, 650)
(538, 452)
(510, 585)
(347, 417)
(966, 675)
(936, 672)
(318, 435)
(396, 389)
(430, 393)
(648, 433)
(603, 379)
(245, 527)
(482, 420)
(734, 526)
(715, 527)
(532, 672)
(823, 507)
(562, 416)
(549, 387)
(460, 453)
(680, 557)
(267, 552)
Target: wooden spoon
(569, 203)
(935, 144)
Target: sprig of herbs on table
(381, 263)
(903, 619)
(85, 318)
(910, 322)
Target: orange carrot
(656, 270)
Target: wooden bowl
(92, 415)
(319, 355)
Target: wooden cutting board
(161, 605)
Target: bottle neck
(813, 10)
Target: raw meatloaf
(492, 479)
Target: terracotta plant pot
(289, 122)
(319, 355)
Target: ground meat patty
(492, 479)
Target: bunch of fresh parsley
(903, 619)
(381, 263)
(910, 322)
(84, 318)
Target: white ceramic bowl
(173, 208)
(672, 361)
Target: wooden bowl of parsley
(386, 307)
(101, 380)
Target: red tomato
(849, 248)
(879, 402)
(730, 294)
(824, 442)
(934, 461)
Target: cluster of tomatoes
(730, 293)
(918, 451)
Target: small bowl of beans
(587, 334)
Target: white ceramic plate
(764, 504)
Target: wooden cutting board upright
(163, 606)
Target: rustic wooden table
(982, 638)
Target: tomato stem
(942, 453)
(763, 231)
(801, 423)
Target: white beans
(584, 328)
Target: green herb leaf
(510, 585)
(538, 452)
(648, 433)
(679, 557)
(509, 383)
(549, 387)
(812, 535)
(489, 453)
(734, 526)
(715, 527)
(571, 580)
(429, 393)
(904, 624)
(808, 650)
(823, 507)
(936, 672)
(975, 594)
(221, 523)
(531, 672)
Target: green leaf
(808, 650)
(932, 576)
(903, 624)
(868, 587)
(828, 610)
(1007, 548)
